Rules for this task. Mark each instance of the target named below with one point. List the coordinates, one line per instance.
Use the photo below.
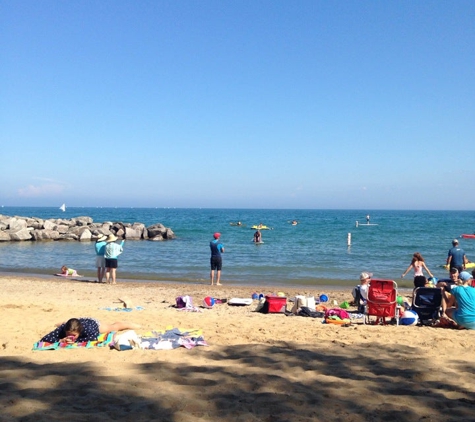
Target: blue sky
(252, 104)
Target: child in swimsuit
(68, 271)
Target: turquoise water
(313, 252)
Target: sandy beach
(257, 367)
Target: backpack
(183, 302)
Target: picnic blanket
(118, 309)
(172, 338)
(168, 339)
(103, 340)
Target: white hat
(364, 276)
(112, 238)
(465, 276)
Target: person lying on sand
(84, 329)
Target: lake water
(315, 251)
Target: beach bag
(274, 305)
(302, 301)
(183, 302)
(337, 316)
(340, 313)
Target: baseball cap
(217, 235)
(364, 276)
(465, 276)
(455, 241)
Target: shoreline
(256, 366)
(321, 283)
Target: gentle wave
(313, 252)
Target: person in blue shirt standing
(100, 259)
(216, 259)
(456, 257)
(113, 250)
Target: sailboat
(63, 207)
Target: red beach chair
(382, 301)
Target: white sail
(63, 207)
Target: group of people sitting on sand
(458, 291)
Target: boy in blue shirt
(216, 260)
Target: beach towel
(307, 312)
(137, 308)
(103, 340)
(172, 338)
(337, 316)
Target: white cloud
(48, 189)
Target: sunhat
(112, 238)
(101, 238)
(217, 235)
(364, 276)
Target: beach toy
(323, 298)
(344, 305)
(400, 300)
(409, 318)
(255, 296)
(208, 302)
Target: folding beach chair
(427, 303)
(382, 301)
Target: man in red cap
(216, 260)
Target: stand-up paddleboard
(239, 301)
(468, 236)
(358, 224)
(467, 266)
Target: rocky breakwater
(78, 228)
